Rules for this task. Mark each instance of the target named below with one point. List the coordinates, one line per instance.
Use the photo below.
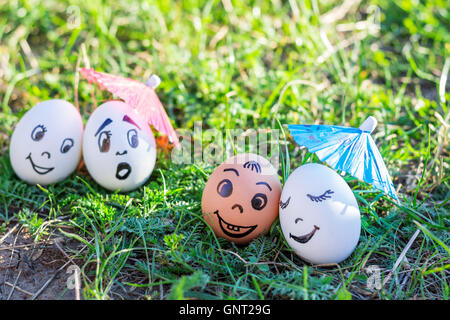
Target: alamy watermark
(213, 146)
(73, 17)
(374, 279)
(74, 280)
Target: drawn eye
(133, 138)
(66, 145)
(283, 205)
(104, 141)
(225, 188)
(38, 132)
(322, 197)
(259, 201)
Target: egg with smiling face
(240, 199)
(319, 215)
(118, 147)
(45, 146)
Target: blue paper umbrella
(350, 150)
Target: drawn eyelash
(42, 127)
(283, 205)
(322, 197)
(253, 165)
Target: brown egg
(240, 200)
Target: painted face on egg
(240, 199)
(118, 147)
(45, 146)
(319, 215)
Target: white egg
(119, 149)
(45, 146)
(319, 215)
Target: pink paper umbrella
(142, 97)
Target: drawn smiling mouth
(123, 171)
(233, 230)
(305, 238)
(38, 169)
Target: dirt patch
(34, 270)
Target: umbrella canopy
(142, 97)
(347, 149)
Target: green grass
(260, 65)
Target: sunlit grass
(230, 65)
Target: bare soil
(34, 270)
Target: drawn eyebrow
(104, 124)
(231, 169)
(126, 118)
(265, 184)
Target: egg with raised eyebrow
(119, 148)
(45, 146)
(240, 199)
(319, 215)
